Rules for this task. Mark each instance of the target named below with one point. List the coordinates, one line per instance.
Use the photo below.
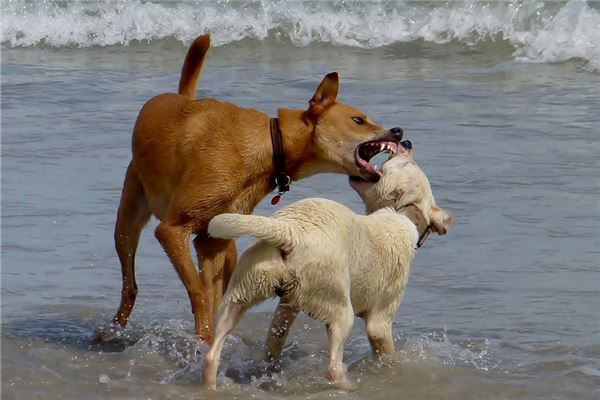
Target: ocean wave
(538, 31)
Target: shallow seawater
(505, 306)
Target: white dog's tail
(271, 230)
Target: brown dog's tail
(271, 230)
(192, 66)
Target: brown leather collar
(423, 236)
(282, 179)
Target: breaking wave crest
(538, 31)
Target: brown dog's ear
(440, 220)
(325, 95)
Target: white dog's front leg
(379, 331)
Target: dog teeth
(388, 147)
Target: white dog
(322, 258)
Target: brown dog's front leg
(175, 240)
(217, 259)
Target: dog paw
(339, 380)
(345, 384)
(209, 378)
(212, 386)
(113, 337)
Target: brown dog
(194, 159)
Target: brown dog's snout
(397, 132)
(407, 144)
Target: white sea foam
(538, 31)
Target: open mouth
(366, 151)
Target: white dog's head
(404, 187)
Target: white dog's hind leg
(284, 317)
(228, 318)
(337, 331)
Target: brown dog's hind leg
(284, 317)
(217, 259)
(229, 267)
(175, 240)
(133, 214)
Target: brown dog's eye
(358, 120)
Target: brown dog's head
(404, 187)
(345, 138)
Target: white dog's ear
(325, 95)
(440, 220)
